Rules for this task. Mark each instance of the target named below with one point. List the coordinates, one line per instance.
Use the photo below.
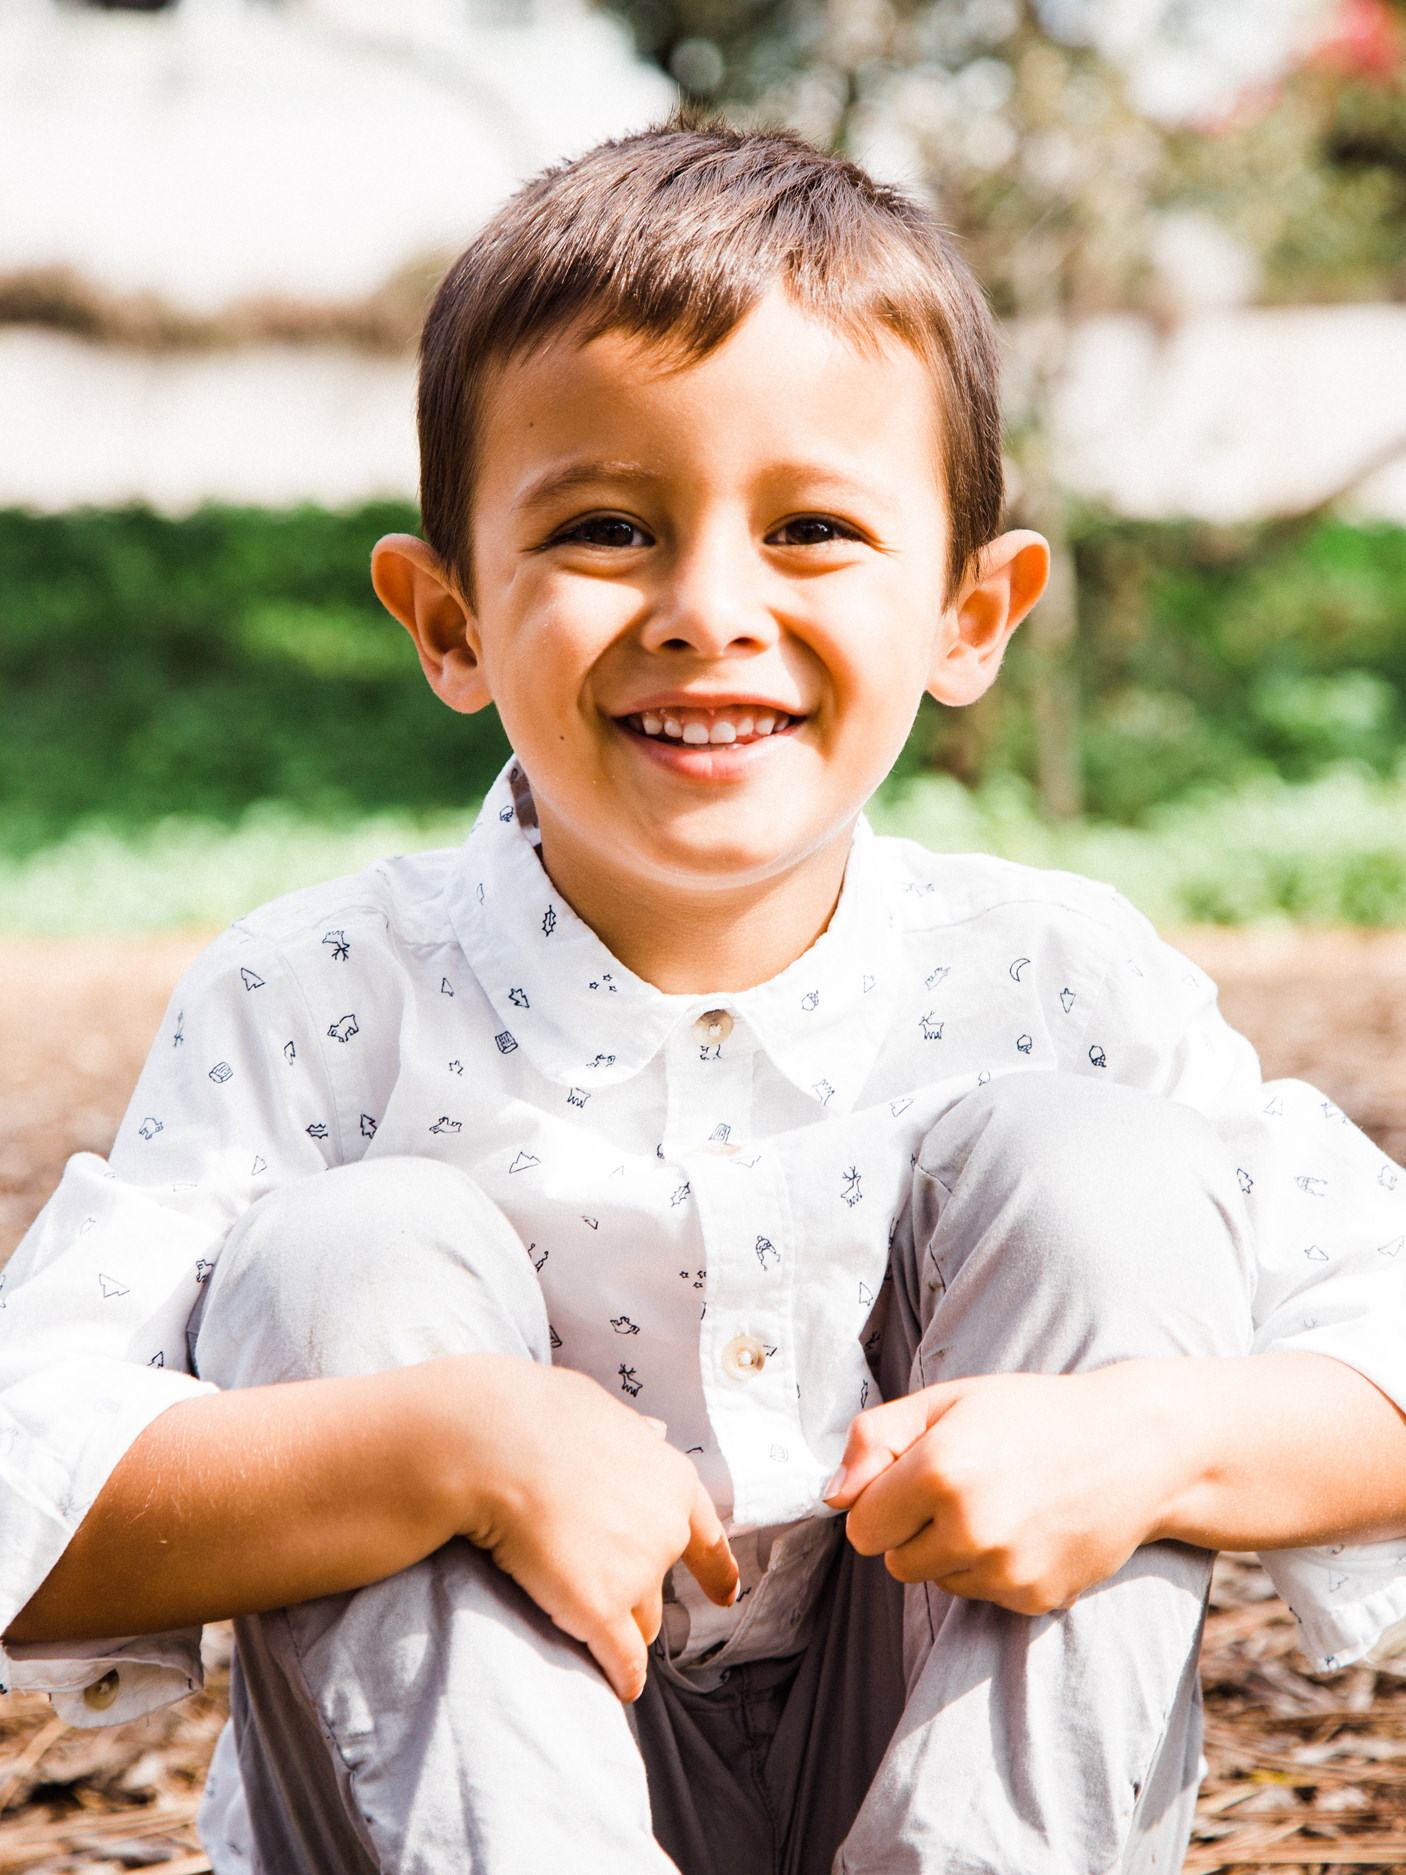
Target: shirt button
(100, 1695)
(743, 1357)
(712, 1027)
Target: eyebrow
(581, 475)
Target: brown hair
(675, 235)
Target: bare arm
(1026, 1489)
(249, 1500)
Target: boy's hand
(581, 1501)
(1019, 1489)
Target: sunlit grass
(1329, 851)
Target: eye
(811, 530)
(602, 530)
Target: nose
(712, 600)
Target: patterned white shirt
(707, 1185)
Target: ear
(1010, 575)
(416, 587)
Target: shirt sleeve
(1327, 1210)
(95, 1302)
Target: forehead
(784, 386)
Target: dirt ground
(1307, 1771)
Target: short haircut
(674, 236)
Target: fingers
(877, 1438)
(708, 1557)
(622, 1655)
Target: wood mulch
(1307, 1771)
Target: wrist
(1166, 1407)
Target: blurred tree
(1082, 175)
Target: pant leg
(437, 1720)
(1058, 1225)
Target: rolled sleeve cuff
(1349, 1603)
(108, 1682)
(63, 1430)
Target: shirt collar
(583, 1019)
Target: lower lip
(707, 761)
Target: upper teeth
(697, 727)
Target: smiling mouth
(698, 728)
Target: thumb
(709, 1558)
(882, 1435)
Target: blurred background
(220, 220)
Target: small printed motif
(260, 1165)
(823, 1092)
(549, 921)
(930, 1027)
(721, 1133)
(1275, 1109)
(577, 1097)
(601, 1061)
(252, 979)
(779, 1455)
(1025, 1043)
(1246, 1183)
(767, 1253)
(150, 1127)
(680, 1192)
(368, 1126)
(1066, 1000)
(866, 984)
(445, 1125)
(556, 1338)
(204, 1269)
(537, 1261)
(343, 1029)
(1387, 1177)
(1312, 1187)
(1391, 1249)
(518, 999)
(524, 1161)
(628, 1382)
(1017, 967)
(446, 988)
(456, 1067)
(811, 1000)
(1097, 1056)
(317, 1130)
(505, 814)
(983, 1077)
(897, 1107)
(623, 1325)
(866, 1296)
(111, 1287)
(591, 1223)
(221, 1072)
(506, 1042)
(158, 1359)
(180, 1032)
(934, 977)
(850, 1190)
(605, 982)
(290, 1053)
(341, 950)
(863, 1396)
(1315, 1255)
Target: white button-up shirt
(707, 1185)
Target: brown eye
(810, 530)
(605, 530)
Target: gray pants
(438, 1722)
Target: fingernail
(836, 1484)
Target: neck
(691, 941)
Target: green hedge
(151, 667)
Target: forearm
(249, 1500)
(1273, 1451)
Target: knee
(363, 1268)
(1087, 1185)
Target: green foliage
(151, 667)
(1210, 656)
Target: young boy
(678, 1165)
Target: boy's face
(708, 597)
